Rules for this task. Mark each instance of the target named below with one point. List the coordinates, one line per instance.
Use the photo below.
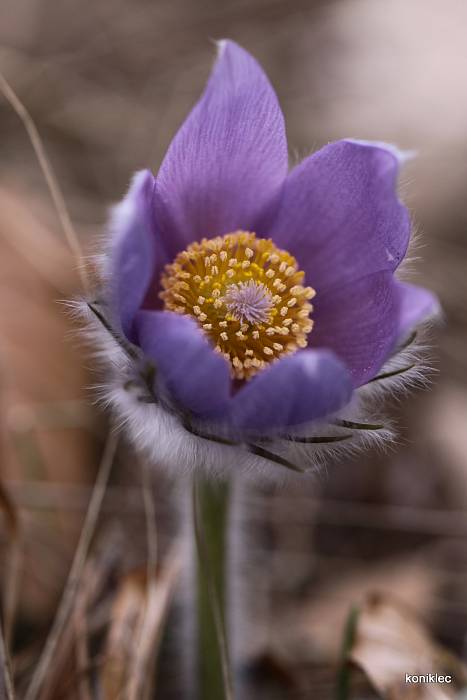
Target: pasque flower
(250, 307)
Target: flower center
(249, 302)
(246, 294)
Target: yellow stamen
(251, 294)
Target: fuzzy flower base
(179, 447)
(249, 317)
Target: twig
(49, 176)
(141, 657)
(205, 563)
(74, 577)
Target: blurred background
(368, 561)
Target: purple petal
(359, 322)
(416, 306)
(132, 251)
(196, 378)
(300, 388)
(229, 158)
(340, 215)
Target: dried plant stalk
(74, 577)
(49, 176)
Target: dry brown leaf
(67, 676)
(390, 642)
(138, 617)
(126, 615)
(319, 622)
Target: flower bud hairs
(248, 312)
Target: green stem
(210, 513)
(348, 640)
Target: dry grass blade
(74, 577)
(159, 594)
(6, 684)
(75, 659)
(49, 176)
(127, 610)
(71, 662)
(138, 616)
(150, 515)
(81, 643)
(152, 622)
(130, 619)
(13, 557)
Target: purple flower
(211, 269)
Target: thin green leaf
(353, 425)
(348, 638)
(394, 373)
(127, 347)
(409, 341)
(261, 452)
(319, 439)
(205, 436)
